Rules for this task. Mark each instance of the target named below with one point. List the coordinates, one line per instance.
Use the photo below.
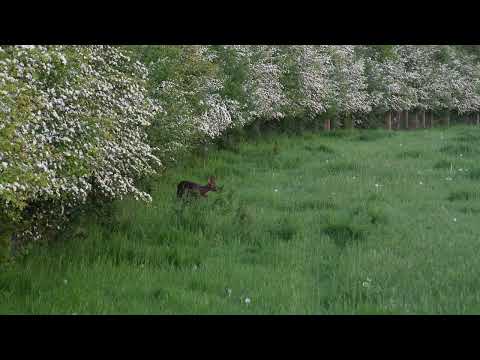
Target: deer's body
(194, 188)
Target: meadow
(346, 222)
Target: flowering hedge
(72, 125)
(79, 122)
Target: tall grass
(361, 223)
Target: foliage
(85, 122)
(72, 125)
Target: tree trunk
(423, 119)
(327, 125)
(348, 123)
(388, 120)
(414, 123)
(477, 119)
(14, 245)
(447, 118)
(406, 124)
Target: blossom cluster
(88, 121)
(72, 125)
(432, 78)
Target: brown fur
(194, 188)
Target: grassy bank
(350, 223)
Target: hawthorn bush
(72, 126)
(83, 123)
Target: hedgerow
(87, 122)
(72, 126)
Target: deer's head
(211, 183)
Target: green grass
(346, 223)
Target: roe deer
(193, 188)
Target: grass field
(343, 223)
